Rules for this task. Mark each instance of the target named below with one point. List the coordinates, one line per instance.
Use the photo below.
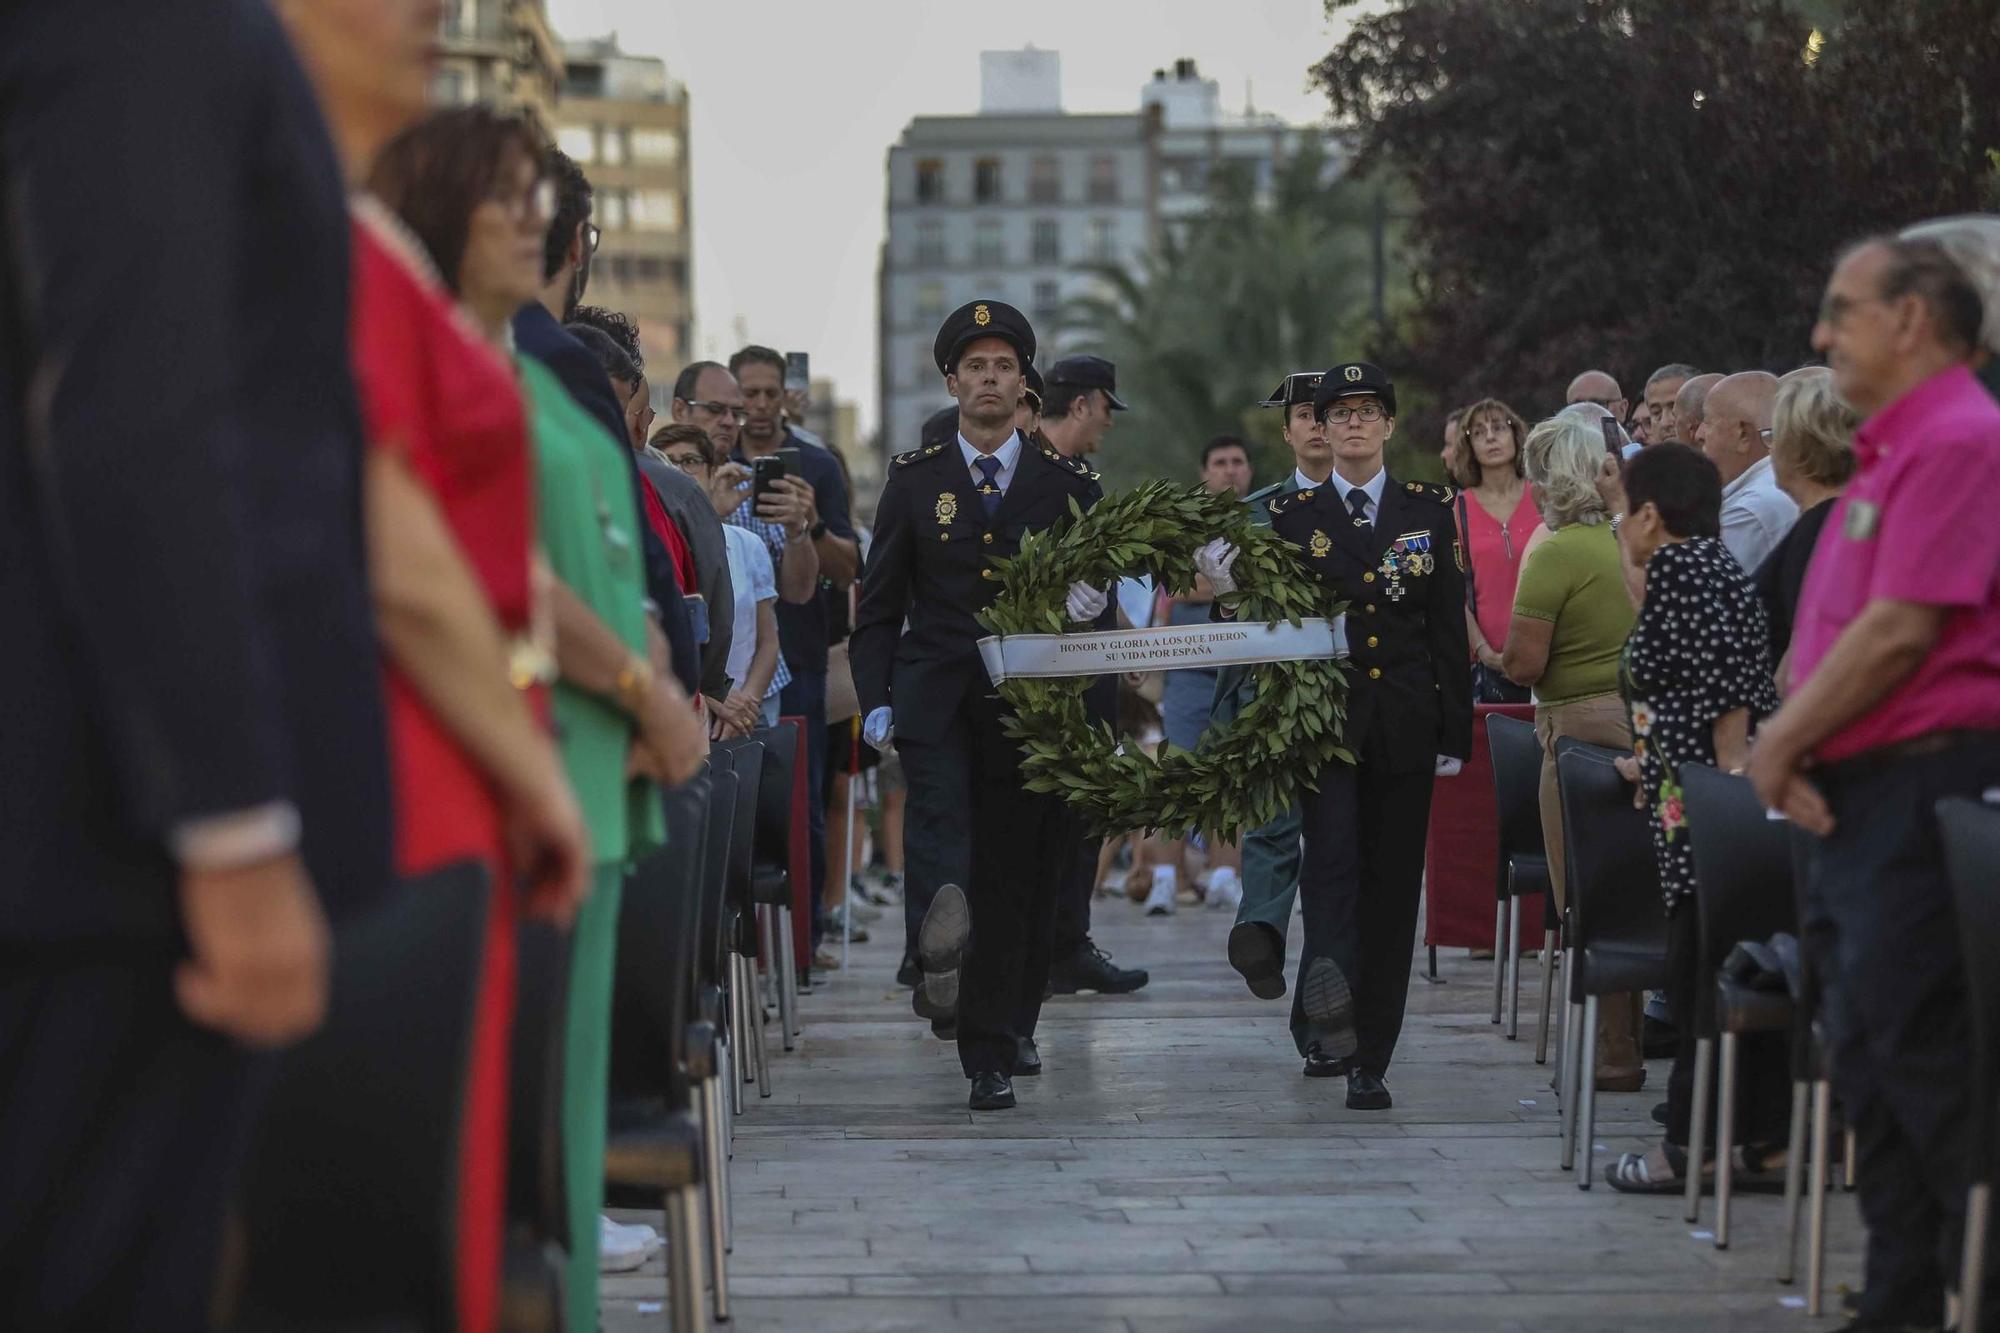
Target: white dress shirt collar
(1372, 488)
(1009, 455)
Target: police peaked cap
(1351, 378)
(982, 319)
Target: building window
(930, 300)
(656, 210)
(614, 145)
(655, 146)
(579, 142)
(1103, 239)
(1045, 180)
(930, 181)
(451, 87)
(1048, 299)
(986, 180)
(927, 371)
(621, 269)
(651, 269)
(930, 242)
(986, 247)
(1046, 241)
(611, 210)
(1104, 179)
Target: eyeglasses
(1371, 412)
(592, 234)
(1834, 309)
(687, 462)
(724, 410)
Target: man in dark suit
(947, 511)
(194, 738)
(1389, 551)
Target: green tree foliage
(1223, 308)
(1622, 183)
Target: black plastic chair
(537, 1194)
(1617, 925)
(1743, 891)
(349, 1194)
(1524, 868)
(653, 1153)
(737, 945)
(771, 876)
(1972, 856)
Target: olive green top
(588, 521)
(1573, 580)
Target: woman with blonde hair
(1570, 618)
(1812, 456)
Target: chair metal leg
(1513, 969)
(1725, 1140)
(1697, 1144)
(788, 981)
(1822, 1113)
(1795, 1176)
(744, 982)
(1972, 1265)
(713, 1183)
(1548, 996)
(1566, 1070)
(1586, 1148)
(760, 1047)
(686, 1300)
(1847, 1176)
(1499, 954)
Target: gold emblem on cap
(947, 508)
(1353, 374)
(981, 316)
(1321, 545)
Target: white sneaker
(621, 1248)
(1166, 887)
(1224, 888)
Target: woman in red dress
(451, 533)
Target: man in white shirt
(1735, 433)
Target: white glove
(1447, 767)
(1213, 563)
(1086, 603)
(878, 728)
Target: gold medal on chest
(1320, 546)
(947, 509)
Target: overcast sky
(795, 104)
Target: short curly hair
(1812, 431)
(620, 327)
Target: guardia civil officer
(1388, 550)
(947, 512)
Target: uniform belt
(1882, 756)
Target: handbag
(1488, 685)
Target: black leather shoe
(991, 1092)
(1027, 1060)
(1321, 1065)
(1091, 969)
(1660, 1114)
(1367, 1092)
(941, 941)
(909, 975)
(1257, 952)
(1328, 1005)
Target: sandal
(1632, 1173)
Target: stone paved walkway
(1172, 1171)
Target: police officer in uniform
(948, 510)
(1389, 550)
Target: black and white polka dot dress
(1698, 651)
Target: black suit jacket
(1409, 670)
(932, 562)
(537, 333)
(182, 586)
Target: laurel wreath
(1246, 771)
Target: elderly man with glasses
(1735, 433)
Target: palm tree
(1225, 306)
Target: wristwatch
(817, 530)
(634, 684)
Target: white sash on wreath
(1168, 648)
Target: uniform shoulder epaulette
(1258, 496)
(904, 460)
(1068, 464)
(1436, 492)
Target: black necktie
(1357, 505)
(989, 486)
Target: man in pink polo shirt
(1896, 703)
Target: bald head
(1736, 422)
(1688, 407)
(1594, 386)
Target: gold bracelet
(634, 684)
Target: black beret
(982, 319)
(1350, 378)
(1298, 387)
(1089, 372)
